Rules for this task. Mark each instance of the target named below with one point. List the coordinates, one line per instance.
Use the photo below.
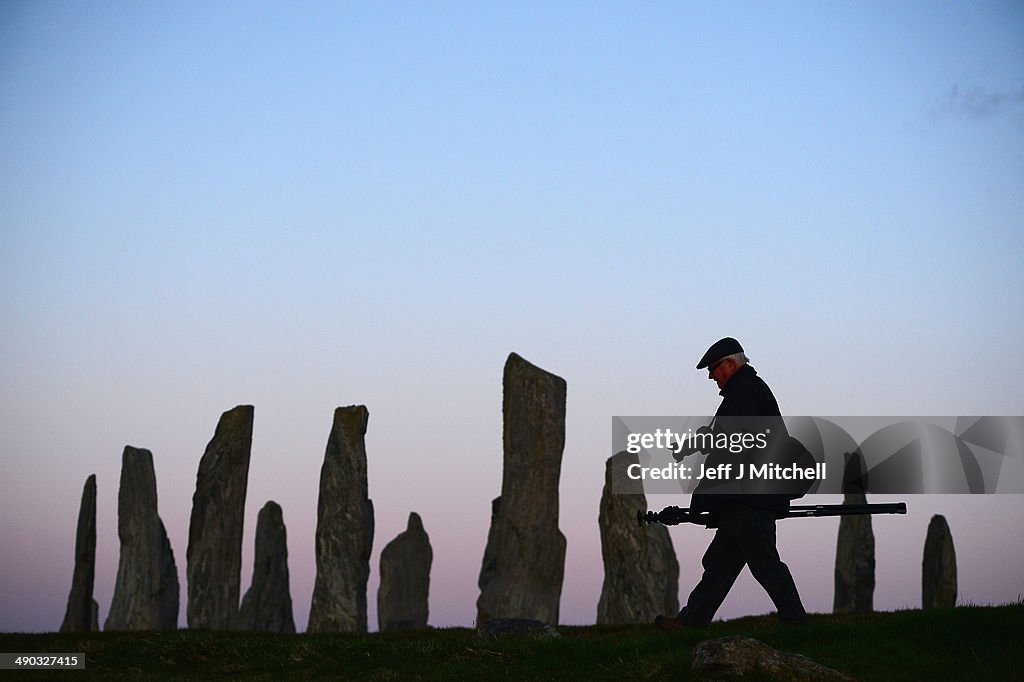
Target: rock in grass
(405, 579)
(938, 569)
(524, 561)
(735, 657)
(267, 605)
(641, 573)
(344, 529)
(522, 627)
(79, 617)
(214, 555)
(146, 588)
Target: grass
(966, 643)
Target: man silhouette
(746, 523)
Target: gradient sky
(305, 205)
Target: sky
(305, 205)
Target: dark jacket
(744, 395)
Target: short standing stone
(405, 579)
(938, 570)
(344, 529)
(215, 531)
(641, 573)
(267, 606)
(146, 588)
(524, 561)
(855, 561)
(78, 616)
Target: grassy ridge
(966, 643)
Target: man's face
(720, 371)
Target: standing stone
(524, 561)
(855, 561)
(641, 574)
(78, 616)
(938, 570)
(344, 528)
(146, 588)
(489, 569)
(405, 579)
(267, 606)
(215, 531)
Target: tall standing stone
(938, 570)
(855, 561)
(215, 530)
(405, 579)
(344, 528)
(267, 605)
(78, 616)
(524, 561)
(146, 588)
(641, 573)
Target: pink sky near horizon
(37, 574)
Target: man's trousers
(745, 537)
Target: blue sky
(305, 205)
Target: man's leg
(757, 537)
(722, 563)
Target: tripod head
(672, 516)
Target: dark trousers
(745, 537)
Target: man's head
(722, 360)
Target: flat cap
(719, 349)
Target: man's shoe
(669, 624)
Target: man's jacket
(745, 395)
